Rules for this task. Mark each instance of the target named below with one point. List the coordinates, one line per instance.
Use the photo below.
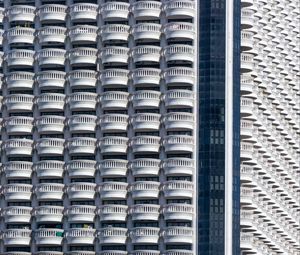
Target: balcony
(146, 99)
(114, 54)
(179, 52)
(16, 214)
(82, 100)
(146, 76)
(2, 14)
(83, 33)
(83, 12)
(17, 192)
(113, 167)
(82, 145)
(112, 235)
(178, 189)
(117, 32)
(51, 57)
(144, 235)
(247, 18)
(179, 9)
(178, 235)
(144, 252)
(179, 98)
(179, 30)
(81, 213)
(81, 190)
(246, 196)
(16, 237)
(113, 190)
(179, 121)
(246, 107)
(144, 212)
(145, 189)
(113, 212)
(246, 40)
(50, 124)
(146, 54)
(178, 212)
(246, 151)
(52, 34)
(20, 58)
(49, 191)
(23, 13)
(49, 168)
(20, 147)
(82, 123)
(114, 77)
(246, 241)
(247, 62)
(145, 166)
(246, 129)
(81, 168)
(146, 10)
(179, 143)
(49, 213)
(113, 122)
(17, 169)
(115, 10)
(18, 125)
(179, 75)
(247, 84)
(83, 56)
(82, 78)
(49, 236)
(51, 146)
(114, 100)
(113, 144)
(146, 121)
(83, 236)
(51, 102)
(246, 218)
(145, 144)
(179, 166)
(20, 35)
(52, 12)
(146, 31)
(51, 79)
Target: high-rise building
(150, 127)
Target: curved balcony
(115, 10)
(16, 214)
(84, 11)
(82, 145)
(51, 57)
(146, 121)
(20, 58)
(82, 123)
(146, 10)
(246, 150)
(50, 124)
(81, 213)
(145, 252)
(180, 9)
(18, 125)
(179, 75)
(81, 253)
(179, 30)
(81, 190)
(83, 33)
(145, 144)
(179, 98)
(178, 235)
(114, 77)
(21, 147)
(144, 235)
(16, 237)
(51, 79)
(247, 62)
(246, 130)
(113, 190)
(17, 169)
(52, 146)
(83, 56)
(48, 236)
(113, 122)
(179, 121)
(114, 54)
(49, 191)
(51, 102)
(114, 100)
(144, 212)
(246, 218)
(84, 236)
(49, 168)
(117, 32)
(179, 143)
(113, 167)
(17, 192)
(113, 144)
(247, 18)
(52, 12)
(19, 102)
(146, 31)
(82, 78)
(112, 235)
(146, 54)
(145, 189)
(178, 189)
(179, 52)
(143, 76)
(247, 84)
(179, 166)
(24, 13)
(81, 168)
(246, 241)
(146, 98)
(113, 212)
(246, 40)
(145, 167)
(82, 100)
(20, 35)
(49, 213)
(246, 195)
(51, 34)
(246, 107)
(178, 212)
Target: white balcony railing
(145, 166)
(51, 79)
(20, 35)
(51, 101)
(113, 212)
(179, 52)
(178, 189)
(17, 169)
(179, 98)
(17, 237)
(82, 123)
(17, 214)
(82, 78)
(50, 34)
(149, 31)
(82, 100)
(146, 53)
(80, 236)
(112, 235)
(50, 124)
(49, 191)
(81, 213)
(49, 168)
(81, 190)
(84, 11)
(52, 12)
(109, 190)
(114, 100)
(52, 146)
(48, 213)
(115, 10)
(113, 167)
(179, 30)
(145, 189)
(113, 122)
(146, 98)
(18, 125)
(81, 145)
(179, 121)
(83, 33)
(177, 143)
(80, 168)
(113, 144)
(178, 211)
(146, 75)
(180, 8)
(15, 192)
(146, 9)
(178, 235)
(21, 13)
(179, 166)
(115, 32)
(145, 212)
(20, 57)
(144, 235)
(48, 236)
(19, 147)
